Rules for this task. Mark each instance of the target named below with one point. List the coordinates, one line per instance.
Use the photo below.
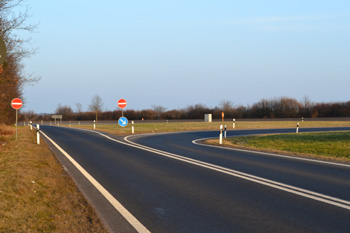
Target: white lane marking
(270, 183)
(266, 153)
(288, 188)
(117, 205)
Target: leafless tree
(158, 109)
(226, 105)
(12, 77)
(65, 110)
(79, 107)
(96, 105)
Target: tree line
(12, 76)
(282, 107)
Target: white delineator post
(220, 136)
(234, 123)
(38, 134)
(31, 125)
(94, 124)
(225, 132)
(297, 128)
(132, 127)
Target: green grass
(327, 144)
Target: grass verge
(325, 145)
(194, 126)
(36, 193)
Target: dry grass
(193, 126)
(36, 193)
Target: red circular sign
(16, 103)
(122, 103)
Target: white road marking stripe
(117, 205)
(288, 188)
(277, 185)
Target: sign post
(16, 103)
(122, 121)
(59, 117)
(122, 104)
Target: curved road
(169, 184)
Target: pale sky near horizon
(183, 52)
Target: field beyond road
(36, 193)
(164, 127)
(324, 145)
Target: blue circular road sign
(123, 121)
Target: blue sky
(180, 53)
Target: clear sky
(176, 53)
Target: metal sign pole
(16, 123)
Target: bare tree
(64, 110)
(12, 77)
(96, 105)
(226, 105)
(158, 109)
(79, 107)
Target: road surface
(166, 183)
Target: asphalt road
(185, 187)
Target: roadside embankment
(36, 193)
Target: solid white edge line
(270, 183)
(116, 204)
(277, 185)
(266, 153)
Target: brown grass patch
(36, 193)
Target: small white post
(234, 123)
(94, 124)
(132, 127)
(302, 119)
(70, 124)
(220, 136)
(38, 134)
(225, 132)
(42, 122)
(297, 128)
(31, 125)
(50, 123)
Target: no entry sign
(16, 103)
(122, 103)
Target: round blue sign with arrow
(123, 121)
